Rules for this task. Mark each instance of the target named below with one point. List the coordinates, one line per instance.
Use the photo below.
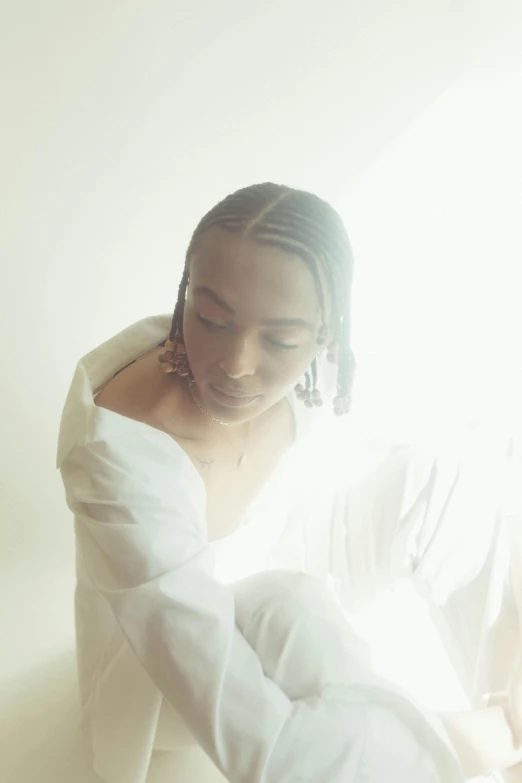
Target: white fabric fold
(155, 613)
(143, 548)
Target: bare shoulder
(136, 390)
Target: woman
(204, 648)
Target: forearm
(483, 739)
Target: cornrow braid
(298, 222)
(176, 330)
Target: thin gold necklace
(242, 455)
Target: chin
(230, 408)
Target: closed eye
(211, 323)
(220, 326)
(283, 346)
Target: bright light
(437, 319)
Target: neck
(180, 415)
(195, 396)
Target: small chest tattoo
(205, 463)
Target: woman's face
(252, 316)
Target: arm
(491, 738)
(143, 544)
(484, 739)
(431, 517)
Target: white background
(122, 123)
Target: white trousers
(304, 643)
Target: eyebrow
(204, 291)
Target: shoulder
(138, 391)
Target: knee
(298, 605)
(288, 603)
(292, 592)
(297, 631)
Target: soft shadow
(41, 740)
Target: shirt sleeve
(431, 515)
(141, 536)
(377, 522)
(439, 517)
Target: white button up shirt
(155, 612)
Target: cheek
(289, 368)
(276, 371)
(200, 347)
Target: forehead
(254, 278)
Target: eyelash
(218, 328)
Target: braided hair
(301, 223)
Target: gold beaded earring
(332, 353)
(310, 394)
(175, 358)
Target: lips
(231, 398)
(232, 393)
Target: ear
(331, 346)
(325, 337)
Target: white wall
(122, 123)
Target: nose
(240, 359)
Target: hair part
(301, 223)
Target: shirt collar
(96, 368)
